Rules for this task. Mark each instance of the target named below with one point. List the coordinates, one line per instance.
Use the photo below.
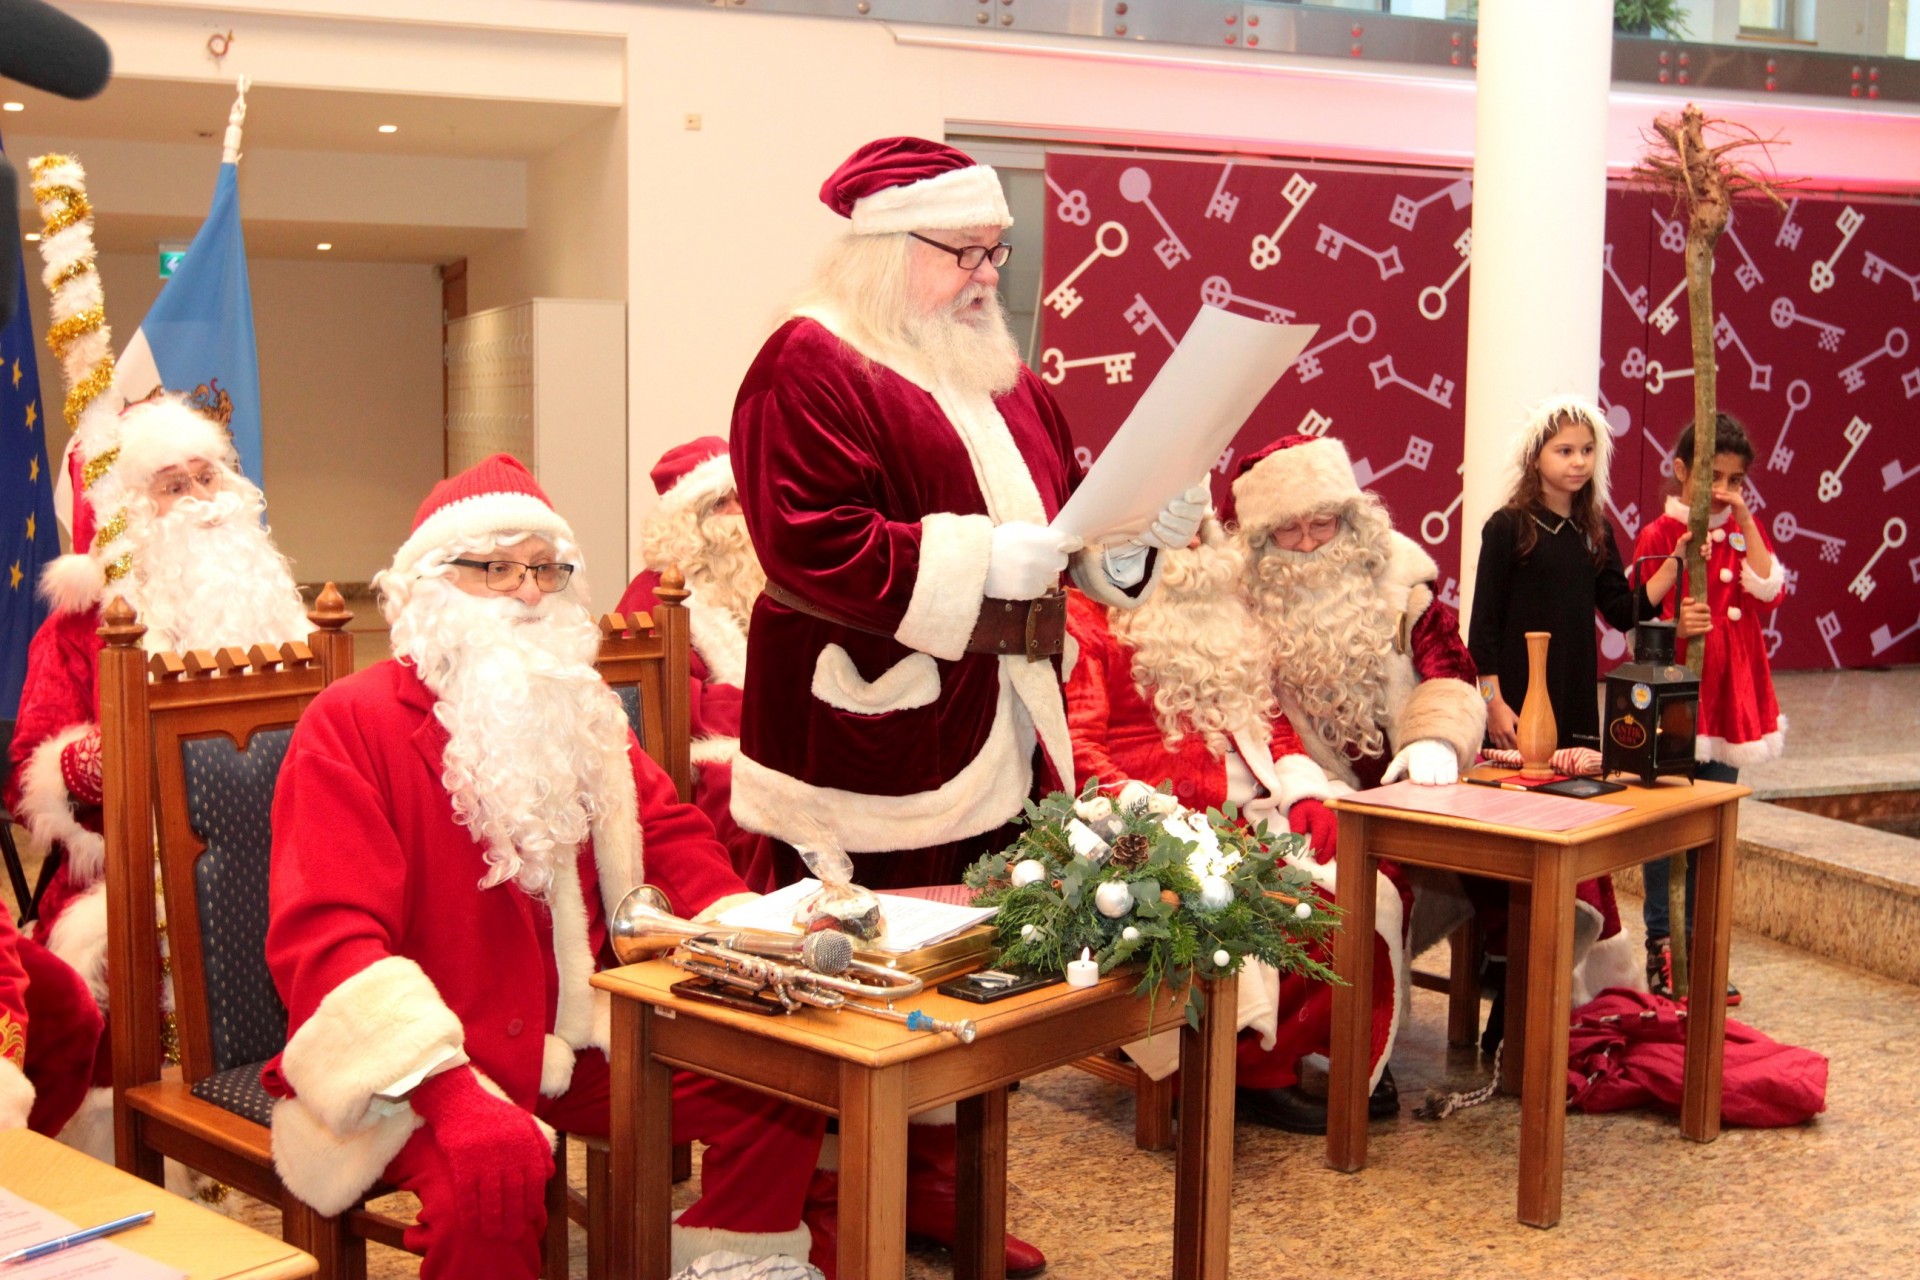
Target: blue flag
(28, 537)
(197, 338)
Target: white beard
(207, 574)
(979, 356)
(533, 732)
(1199, 658)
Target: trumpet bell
(643, 926)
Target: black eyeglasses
(507, 575)
(972, 255)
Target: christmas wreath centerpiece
(1139, 879)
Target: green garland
(1169, 927)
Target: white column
(1539, 210)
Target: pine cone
(1131, 850)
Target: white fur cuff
(714, 751)
(692, 1243)
(950, 585)
(1300, 779)
(1448, 709)
(16, 1096)
(1763, 589)
(46, 810)
(379, 1026)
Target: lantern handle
(1680, 585)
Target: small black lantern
(1652, 705)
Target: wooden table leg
(640, 1141)
(873, 1172)
(1519, 931)
(980, 1208)
(1549, 1008)
(1463, 986)
(1203, 1145)
(1351, 1039)
(1707, 1011)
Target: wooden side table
(873, 1074)
(182, 1234)
(1541, 868)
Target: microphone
(826, 951)
(43, 47)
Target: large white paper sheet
(1201, 397)
(911, 923)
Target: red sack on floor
(1628, 1049)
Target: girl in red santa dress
(1739, 720)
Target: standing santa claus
(698, 529)
(1178, 692)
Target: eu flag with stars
(28, 538)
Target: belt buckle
(1042, 611)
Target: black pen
(55, 1245)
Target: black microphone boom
(43, 47)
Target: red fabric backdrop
(1814, 354)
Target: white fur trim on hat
(1294, 482)
(480, 517)
(707, 482)
(163, 433)
(1538, 428)
(952, 201)
(72, 583)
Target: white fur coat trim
(1742, 755)
(714, 750)
(1299, 778)
(16, 1096)
(1389, 926)
(619, 850)
(380, 1025)
(46, 809)
(719, 639)
(79, 937)
(949, 585)
(1766, 588)
(692, 1243)
(978, 798)
(1613, 962)
(573, 960)
(90, 1132)
(914, 681)
(1088, 570)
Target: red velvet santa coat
(49, 1029)
(59, 705)
(1116, 738)
(389, 956)
(716, 666)
(1740, 722)
(872, 493)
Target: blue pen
(41, 1250)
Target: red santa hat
(695, 474)
(910, 184)
(495, 497)
(1294, 476)
(123, 454)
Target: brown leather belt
(1036, 628)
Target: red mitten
(501, 1160)
(80, 767)
(1319, 824)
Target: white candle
(1083, 972)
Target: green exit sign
(170, 260)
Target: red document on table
(1524, 809)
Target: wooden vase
(1539, 735)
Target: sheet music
(1528, 810)
(911, 923)
(1202, 395)
(23, 1223)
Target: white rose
(1208, 858)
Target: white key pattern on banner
(1073, 205)
(1434, 296)
(1884, 639)
(1785, 314)
(1438, 389)
(1892, 474)
(1141, 316)
(1223, 203)
(1748, 275)
(1660, 451)
(1770, 634)
(1895, 346)
(1759, 376)
(1266, 249)
(1751, 495)
(1789, 580)
(1215, 291)
(1309, 362)
(1856, 433)
(1910, 382)
(1673, 233)
(1406, 210)
(1658, 376)
(1637, 298)
(1450, 593)
(1331, 242)
(1799, 396)
(1893, 534)
(1788, 236)
(1786, 529)
(1315, 424)
(1437, 526)
(1065, 298)
(1666, 315)
(1417, 455)
(1119, 367)
(1619, 417)
(1847, 223)
(1136, 186)
(1628, 516)
(1877, 268)
(1828, 624)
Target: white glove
(1426, 763)
(1025, 560)
(1173, 528)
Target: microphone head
(827, 951)
(43, 47)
